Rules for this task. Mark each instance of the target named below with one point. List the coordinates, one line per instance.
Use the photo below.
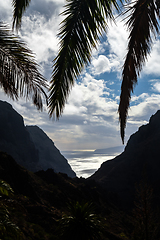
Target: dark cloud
(88, 171)
(45, 8)
(72, 120)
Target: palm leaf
(142, 23)
(19, 7)
(19, 74)
(79, 34)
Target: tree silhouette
(85, 21)
(144, 217)
(19, 73)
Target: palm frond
(19, 74)
(79, 34)
(19, 7)
(142, 23)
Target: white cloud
(40, 35)
(117, 44)
(152, 65)
(156, 86)
(117, 38)
(101, 65)
(89, 120)
(142, 111)
(6, 11)
(140, 97)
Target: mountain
(49, 155)
(29, 146)
(110, 151)
(15, 139)
(39, 201)
(140, 162)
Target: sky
(90, 118)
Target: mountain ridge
(18, 141)
(140, 157)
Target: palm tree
(79, 33)
(19, 73)
(80, 224)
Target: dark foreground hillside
(139, 162)
(40, 200)
(124, 192)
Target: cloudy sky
(90, 118)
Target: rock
(140, 158)
(49, 155)
(29, 146)
(15, 139)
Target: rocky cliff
(49, 155)
(29, 146)
(15, 139)
(139, 161)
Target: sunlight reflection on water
(86, 164)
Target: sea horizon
(86, 163)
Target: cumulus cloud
(142, 96)
(90, 118)
(6, 11)
(40, 35)
(143, 109)
(39, 29)
(156, 85)
(116, 44)
(152, 65)
(101, 65)
(117, 36)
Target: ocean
(85, 163)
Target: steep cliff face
(15, 139)
(29, 146)
(140, 157)
(49, 155)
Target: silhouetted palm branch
(79, 33)
(142, 23)
(19, 7)
(19, 74)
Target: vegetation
(37, 208)
(19, 73)
(81, 223)
(146, 222)
(79, 33)
(5, 189)
(38, 205)
(8, 230)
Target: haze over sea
(85, 163)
